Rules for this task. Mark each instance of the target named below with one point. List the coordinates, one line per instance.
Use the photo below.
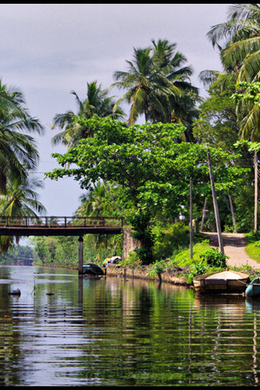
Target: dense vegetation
(146, 173)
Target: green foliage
(158, 268)
(253, 245)
(169, 238)
(17, 252)
(214, 258)
(63, 251)
(183, 258)
(148, 168)
(197, 268)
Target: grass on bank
(204, 259)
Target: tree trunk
(203, 214)
(232, 213)
(191, 231)
(215, 204)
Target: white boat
(226, 282)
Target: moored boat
(92, 269)
(223, 282)
(253, 289)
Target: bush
(158, 268)
(197, 268)
(169, 238)
(214, 258)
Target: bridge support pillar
(80, 256)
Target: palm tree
(21, 199)
(92, 204)
(157, 84)
(241, 54)
(97, 102)
(142, 90)
(18, 152)
(240, 50)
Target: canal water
(68, 331)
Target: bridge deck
(59, 226)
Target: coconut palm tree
(241, 54)
(97, 102)
(21, 198)
(140, 82)
(157, 84)
(18, 152)
(239, 41)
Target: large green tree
(149, 170)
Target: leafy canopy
(147, 167)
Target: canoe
(224, 282)
(253, 289)
(91, 269)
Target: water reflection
(116, 332)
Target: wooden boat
(91, 269)
(223, 282)
(253, 289)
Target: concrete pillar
(80, 256)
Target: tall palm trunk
(256, 189)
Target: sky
(49, 50)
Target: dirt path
(234, 248)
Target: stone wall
(129, 243)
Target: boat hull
(253, 289)
(92, 270)
(215, 284)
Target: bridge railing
(52, 221)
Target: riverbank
(143, 273)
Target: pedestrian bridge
(68, 226)
(59, 226)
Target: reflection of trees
(126, 332)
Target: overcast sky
(48, 50)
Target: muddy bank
(143, 273)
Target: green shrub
(169, 238)
(158, 268)
(197, 268)
(214, 258)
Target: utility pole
(215, 204)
